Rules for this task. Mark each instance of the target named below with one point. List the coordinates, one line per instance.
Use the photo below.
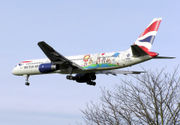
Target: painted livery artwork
(101, 61)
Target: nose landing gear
(27, 80)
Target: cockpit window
(18, 65)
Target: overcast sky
(74, 27)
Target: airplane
(85, 67)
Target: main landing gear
(27, 80)
(91, 83)
(83, 78)
(70, 77)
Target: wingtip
(40, 42)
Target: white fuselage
(89, 62)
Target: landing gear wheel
(91, 83)
(93, 77)
(69, 77)
(27, 83)
(27, 80)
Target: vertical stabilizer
(145, 40)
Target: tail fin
(145, 40)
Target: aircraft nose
(14, 71)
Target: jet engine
(47, 67)
(83, 77)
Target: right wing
(163, 57)
(57, 58)
(115, 72)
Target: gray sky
(73, 27)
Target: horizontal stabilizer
(163, 57)
(137, 51)
(115, 72)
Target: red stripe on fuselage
(26, 61)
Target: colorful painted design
(86, 58)
(95, 66)
(116, 55)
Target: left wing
(115, 72)
(57, 58)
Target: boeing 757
(85, 67)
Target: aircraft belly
(33, 71)
(136, 60)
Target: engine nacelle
(47, 67)
(85, 77)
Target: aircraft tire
(69, 77)
(91, 83)
(27, 83)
